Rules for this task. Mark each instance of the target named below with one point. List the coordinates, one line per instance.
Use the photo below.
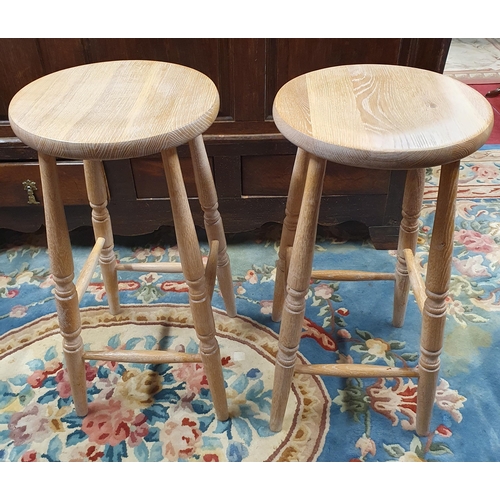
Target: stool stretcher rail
(356, 371)
(152, 267)
(88, 269)
(416, 280)
(153, 357)
(346, 275)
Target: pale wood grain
(348, 275)
(356, 370)
(114, 109)
(436, 283)
(140, 356)
(97, 191)
(381, 117)
(88, 268)
(293, 201)
(207, 196)
(374, 116)
(416, 280)
(211, 267)
(126, 109)
(152, 267)
(408, 234)
(194, 273)
(62, 268)
(297, 287)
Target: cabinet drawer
(260, 180)
(149, 176)
(13, 193)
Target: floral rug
(164, 413)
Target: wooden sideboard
(251, 160)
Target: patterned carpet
(146, 413)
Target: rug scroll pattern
(142, 413)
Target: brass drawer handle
(30, 187)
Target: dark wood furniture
(251, 160)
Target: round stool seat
(382, 117)
(114, 110)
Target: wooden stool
(379, 117)
(117, 110)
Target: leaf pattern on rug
(371, 419)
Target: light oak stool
(117, 110)
(378, 117)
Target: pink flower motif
(29, 425)
(11, 294)
(486, 172)
(455, 307)
(157, 252)
(194, 376)
(149, 278)
(345, 359)
(36, 378)
(442, 430)
(240, 290)
(29, 456)
(138, 430)
(48, 282)
(18, 311)
(107, 422)
(471, 267)
(323, 291)
(141, 254)
(62, 379)
(388, 401)
(98, 290)
(344, 333)
(180, 436)
(266, 306)
(90, 454)
(252, 277)
(366, 445)
(174, 286)
(449, 400)
(475, 241)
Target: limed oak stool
(116, 110)
(377, 117)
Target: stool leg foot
(213, 222)
(437, 283)
(95, 181)
(62, 268)
(194, 273)
(294, 199)
(408, 233)
(297, 286)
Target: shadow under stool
(117, 110)
(376, 117)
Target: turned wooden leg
(213, 222)
(408, 234)
(437, 283)
(294, 199)
(297, 287)
(98, 199)
(194, 273)
(62, 268)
